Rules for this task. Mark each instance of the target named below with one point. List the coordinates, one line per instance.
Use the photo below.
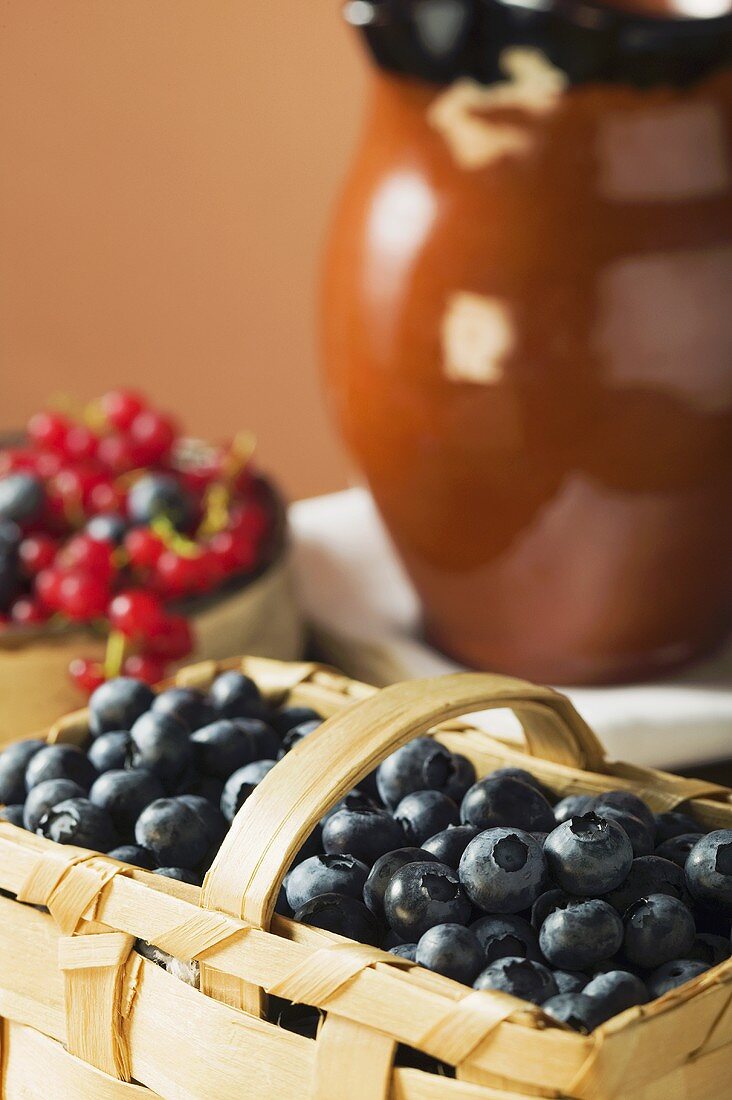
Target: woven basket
(84, 1014)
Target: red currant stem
(120, 557)
(216, 502)
(173, 540)
(115, 654)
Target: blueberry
(708, 870)
(522, 775)
(575, 1009)
(13, 763)
(325, 874)
(108, 527)
(422, 765)
(232, 694)
(109, 751)
(391, 939)
(640, 836)
(588, 855)
(404, 951)
(135, 855)
(616, 990)
(649, 875)
(156, 496)
(162, 744)
(180, 874)
(187, 704)
(362, 831)
(574, 805)
(452, 950)
(520, 977)
(547, 903)
(339, 913)
(240, 785)
(674, 824)
(503, 870)
(12, 814)
(78, 821)
(383, 871)
(581, 934)
(264, 741)
(495, 802)
(173, 832)
(21, 497)
(117, 704)
(424, 813)
(286, 718)
(207, 786)
(421, 895)
(461, 778)
(570, 981)
(709, 949)
(296, 734)
(59, 762)
(629, 803)
(507, 936)
(449, 845)
(658, 928)
(45, 796)
(673, 974)
(212, 820)
(677, 848)
(224, 746)
(355, 794)
(124, 795)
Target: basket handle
(280, 814)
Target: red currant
(88, 555)
(107, 496)
(177, 575)
(235, 550)
(86, 674)
(252, 519)
(146, 667)
(119, 454)
(48, 588)
(120, 407)
(82, 596)
(37, 552)
(143, 547)
(26, 611)
(48, 430)
(137, 614)
(174, 640)
(80, 443)
(152, 435)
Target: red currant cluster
(109, 519)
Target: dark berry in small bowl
(421, 895)
(503, 870)
(531, 981)
(583, 933)
(508, 802)
(339, 913)
(588, 855)
(452, 950)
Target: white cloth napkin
(365, 616)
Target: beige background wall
(166, 171)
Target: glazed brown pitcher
(528, 327)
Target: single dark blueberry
(356, 797)
(522, 775)
(574, 805)
(78, 821)
(507, 936)
(13, 763)
(45, 796)
(207, 786)
(124, 795)
(709, 870)
(107, 527)
(240, 785)
(12, 814)
(159, 496)
(449, 845)
(649, 875)
(212, 820)
(161, 743)
(60, 762)
(281, 905)
(588, 855)
(362, 831)
(109, 751)
(264, 741)
(583, 933)
(224, 746)
(421, 895)
(313, 846)
(547, 903)
(570, 981)
(424, 813)
(391, 939)
(180, 874)
(135, 855)
(452, 950)
(506, 802)
(575, 1009)
(383, 871)
(422, 765)
(673, 974)
(173, 832)
(616, 990)
(326, 874)
(503, 870)
(21, 497)
(404, 951)
(286, 718)
(674, 824)
(339, 913)
(232, 694)
(520, 977)
(117, 704)
(189, 705)
(677, 848)
(710, 949)
(639, 835)
(297, 733)
(629, 803)
(10, 538)
(461, 778)
(658, 929)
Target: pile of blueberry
(586, 907)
